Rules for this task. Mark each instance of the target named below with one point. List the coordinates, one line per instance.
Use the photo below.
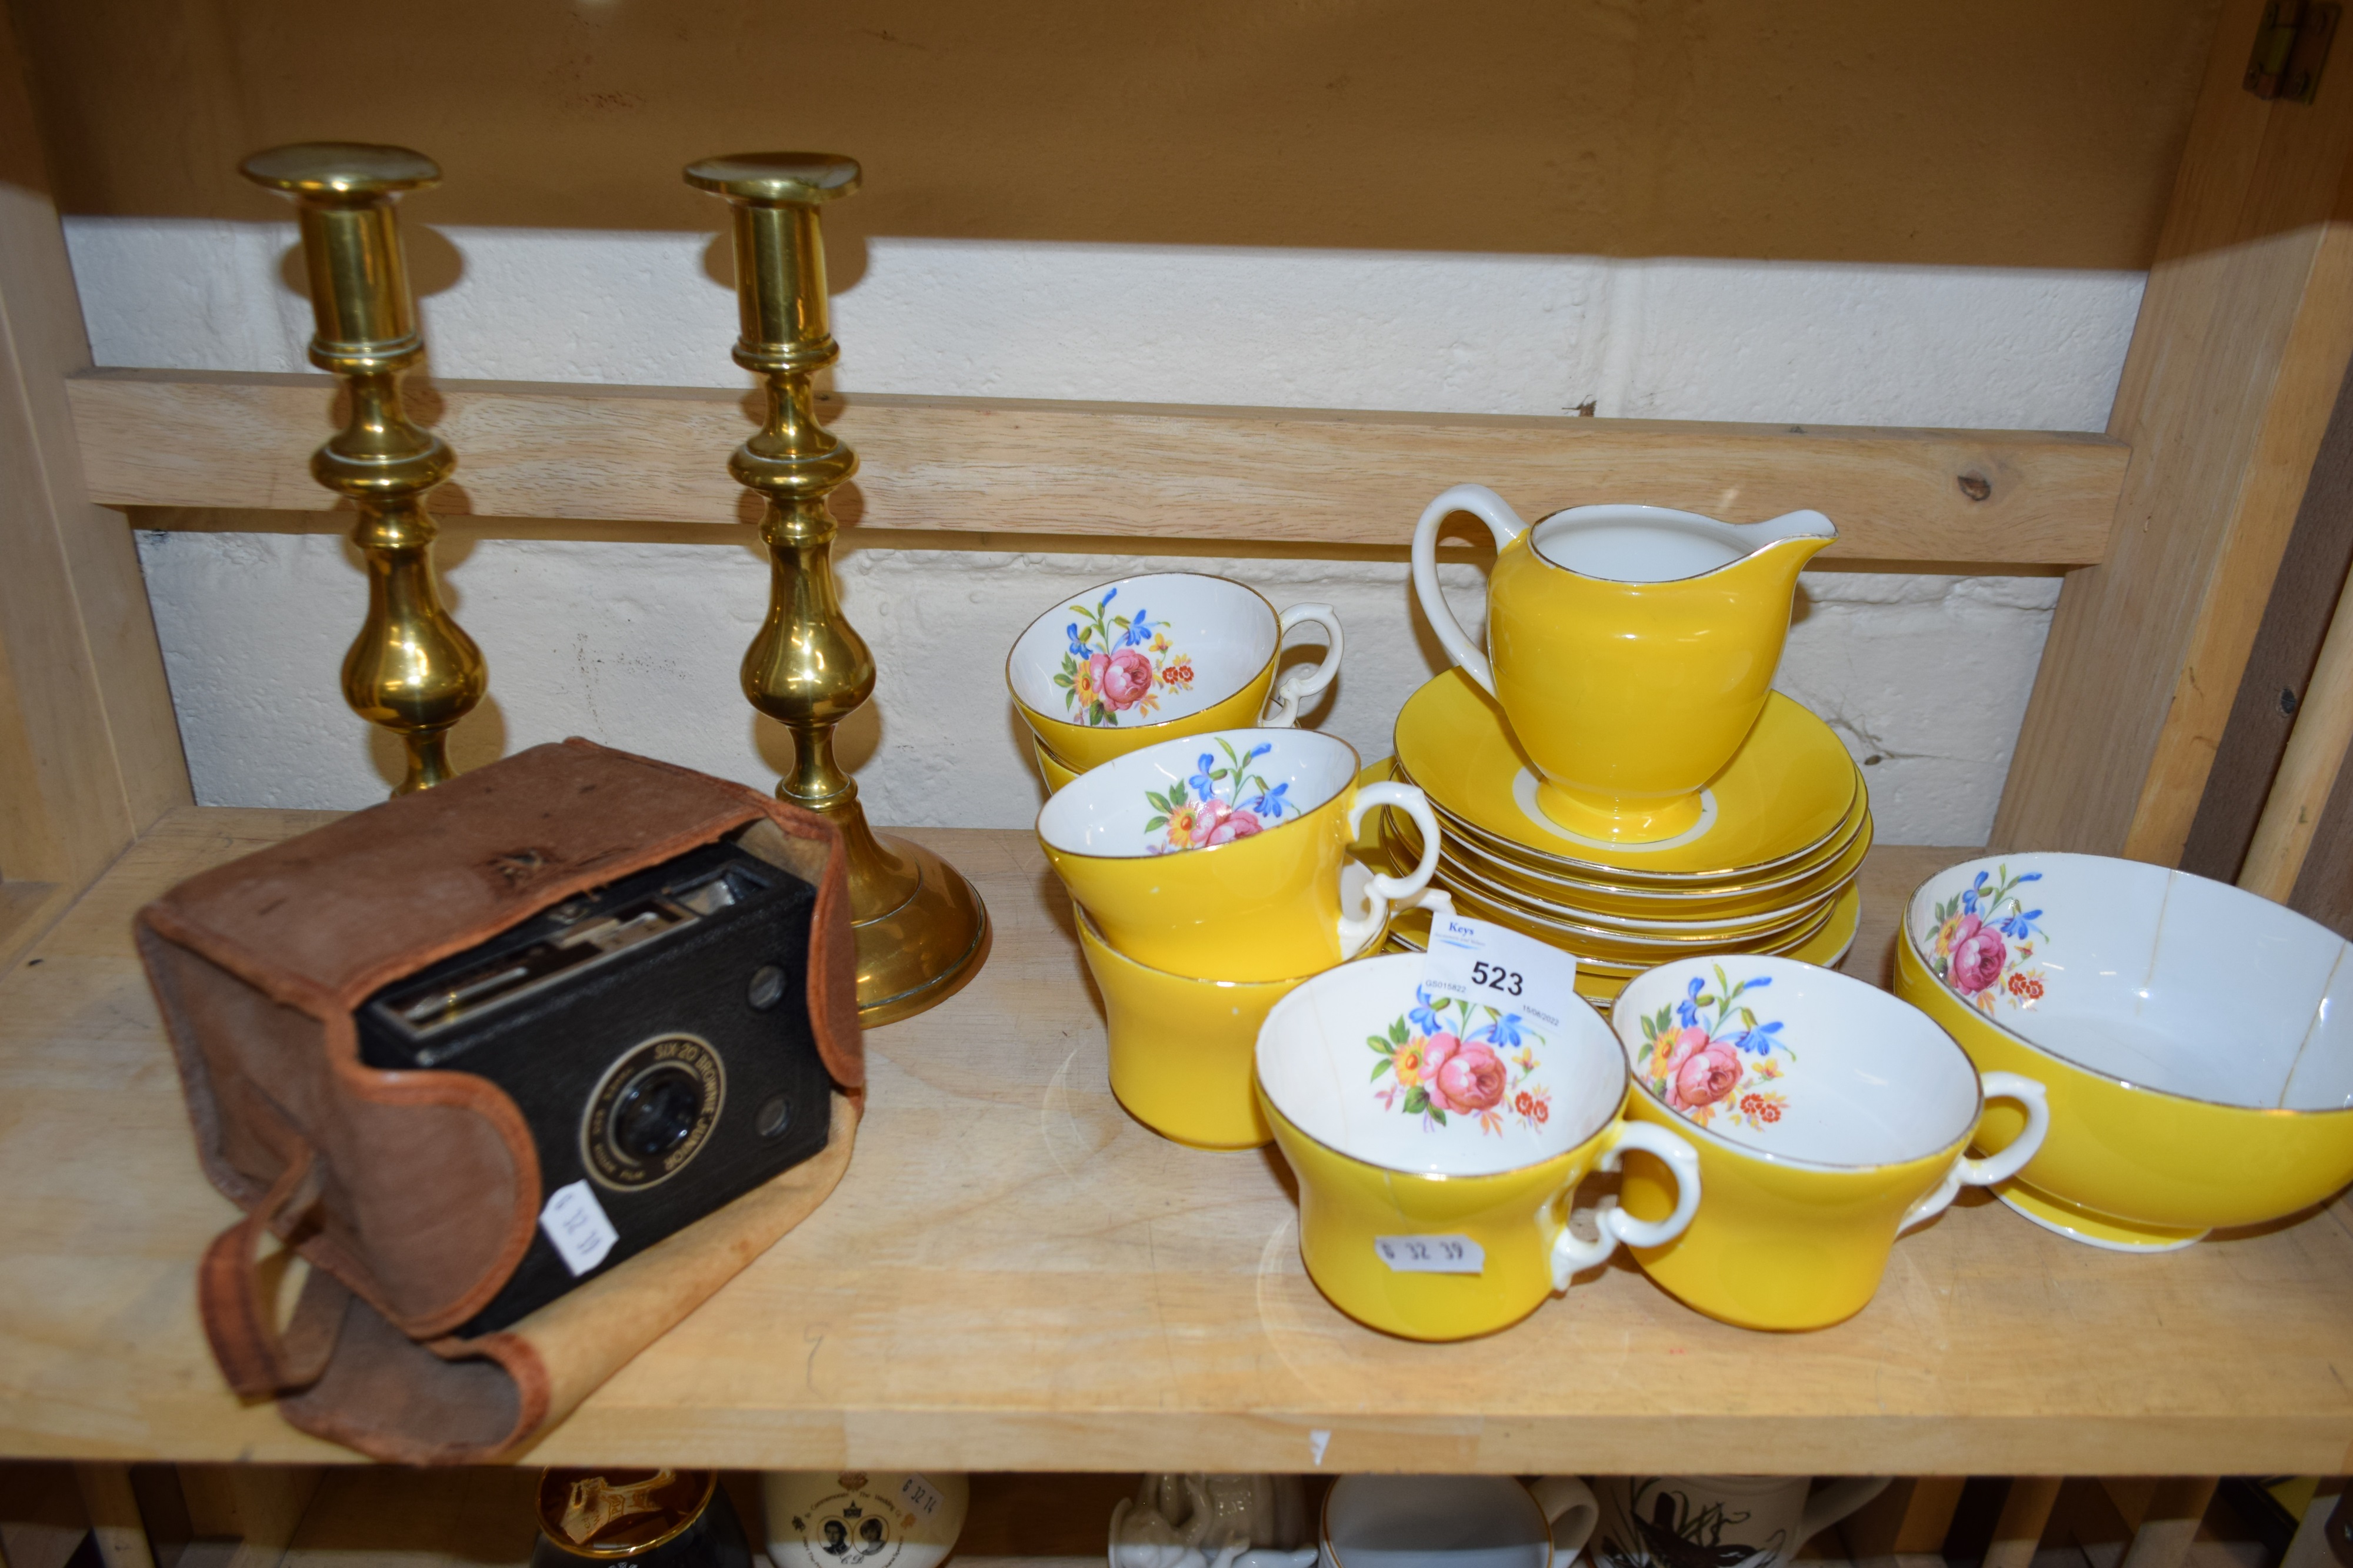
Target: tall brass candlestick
(922, 931)
(412, 668)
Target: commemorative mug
(1631, 648)
(1454, 1522)
(1222, 855)
(636, 1518)
(1829, 1118)
(862, 1518)
(1718, 1521)
(1146, 658)
(1438, 1142)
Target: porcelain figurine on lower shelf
(1212, 1521)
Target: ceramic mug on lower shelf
(1143, 660)
(1221, 854)
(1829, 1118)
(1455, 1522)
(1434, 1190)
(862, 1518)
(1718, 1521)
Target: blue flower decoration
(1202, 784)
(1269, 804)
(1137, 630)
(1969, 899)
(1078, 649)
(2029, 877)
(1758, 1039)
(1505, 1030)
(1424, 1017)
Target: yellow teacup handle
(1572, 1254)
(1357, 930)
(1993, 1168)
(1293, 689)
(1503, 524)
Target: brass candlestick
(922, 931)
(412, 668)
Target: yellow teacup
(1830, 1118)
(1181, 1047)
(1221, 856)
(1143, 660)
(1633, 647)
(1057, 772)
(1434, 1191)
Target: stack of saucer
(1768, 869)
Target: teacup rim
(1029, 713)
(1615, 1107)
(1081, 918)
(1685, 1125)
(1300, 815)
(1911, 942)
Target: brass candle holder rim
(329, 169)
(783, 179)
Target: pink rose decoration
(1436, 1052)
(1979, 953)
(1232, 824)
(1472, 1078)
(1122, 677)
(1686, 1041)
(1704, 1077)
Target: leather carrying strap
(260, 1361)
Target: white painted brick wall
(636, 644)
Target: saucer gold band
(412, 669)
(922, 931)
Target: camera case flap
(415, 1193)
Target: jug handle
(1503, 524)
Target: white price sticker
(1498, 967)
(920, 1496)
(1432, 1253)
(575, 1222)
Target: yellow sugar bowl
(1632, 647)
(2194, 1036)
(1147, 659)
(1830, 1118)
(1438, 1143)
(1057, 773)
(1222, 854)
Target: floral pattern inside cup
(1118, 665)
(1710, 1055)
(1464, 1064)
(1220, 804)
(1982, 942)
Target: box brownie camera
(525, 1066)
(655, 1035)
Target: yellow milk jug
(1630, 648)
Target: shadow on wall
(1986, 133)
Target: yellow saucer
(1787, 789)
(1638, 909)
(1752, 886)
(1586, 939)
(2062, 1218)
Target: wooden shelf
(652, 455)
(1016, 1274)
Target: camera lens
(656, 1112)
(767, 987)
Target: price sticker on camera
(1432, 1253)
(1498, 967)
(576, 1223)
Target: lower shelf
(1015, 1273)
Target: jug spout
(1783, 546)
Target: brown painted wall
(1978, 132)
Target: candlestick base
(922, 951)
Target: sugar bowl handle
(1503, 524)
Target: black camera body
(654, 1033)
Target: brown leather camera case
(414, 1194)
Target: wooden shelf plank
(1014, 1273)
(659, 455)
